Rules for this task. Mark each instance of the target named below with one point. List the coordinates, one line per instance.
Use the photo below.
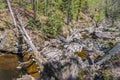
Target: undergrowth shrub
(2, 4)
(53, 24)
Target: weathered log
(29, 41)
(26, 37)
(111, 53)
(106, 35)
(11, 12)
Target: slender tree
(106, 9)
(79, 9)
(69, 12)
(35, 8)
(46, 7)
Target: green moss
(53, 24)
(82, 75)
(2, 5)
(81, 54)
(28, 6)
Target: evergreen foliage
(2, 4)
(60, 12)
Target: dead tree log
(18, 23)
(28, 40)
(11, 12)
(111, 53)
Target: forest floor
(83, 52)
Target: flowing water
(8, 64)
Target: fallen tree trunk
(29, 41)
(111, 53)
(18, 23)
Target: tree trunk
(68, 12)
(79, 9)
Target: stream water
(8, 64)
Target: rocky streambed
(85, 54)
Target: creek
(8, 64)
